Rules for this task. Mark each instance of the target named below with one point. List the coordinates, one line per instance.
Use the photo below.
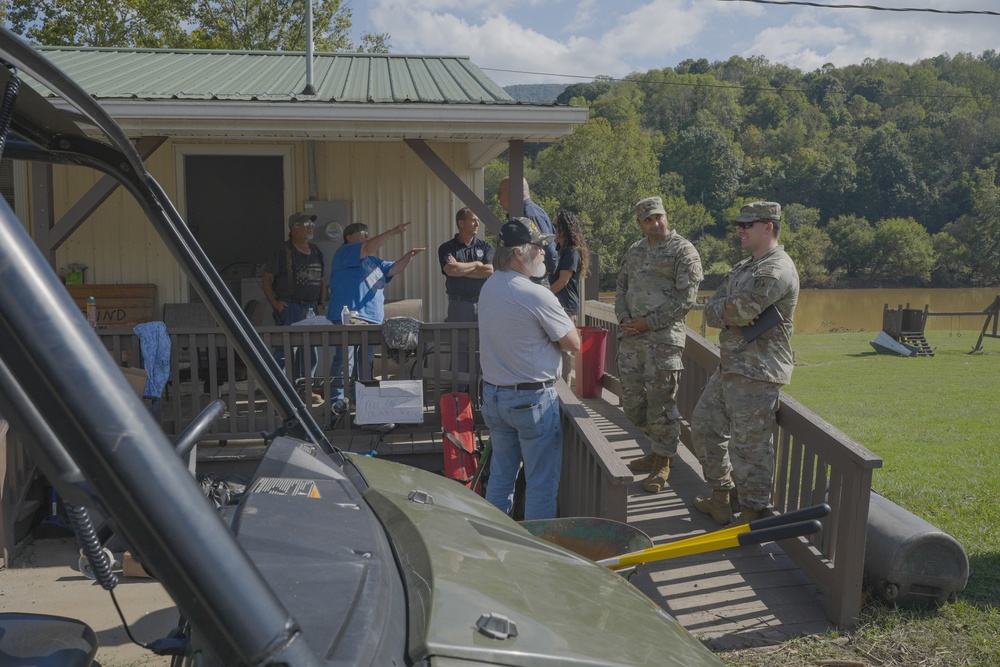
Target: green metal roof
(154, 74)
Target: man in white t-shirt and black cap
(523, 331)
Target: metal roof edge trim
(287, 110)
(226, 120)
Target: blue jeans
(293, 313)
(337, 369)
(524, 426)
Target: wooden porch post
(516, 173)
(49, 234)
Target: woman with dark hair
(573, 262)
(565, 281)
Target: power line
(871, 7)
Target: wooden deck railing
(597, 478)
(204, 367)
(815, 463)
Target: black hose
(7, 105)
(90, 545)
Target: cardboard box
(131, 567)
(137, 378)
(398, 401)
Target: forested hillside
(887, 172)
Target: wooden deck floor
(745, 596)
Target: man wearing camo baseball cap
(732, 424)
(649, 206)
(759, 210)
(656, 287)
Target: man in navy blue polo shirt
(466, 262)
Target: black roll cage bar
(90, 434)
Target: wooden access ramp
(743, 596)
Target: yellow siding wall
(116, 242)
(385, 182)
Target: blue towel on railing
(155, 344)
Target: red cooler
(590, 361)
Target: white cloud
(585, 15)
(493, 41)
(590, 37)
(655, 30)
(810, 39)
(912, 37)
(802, 44)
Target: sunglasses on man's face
(748, 225)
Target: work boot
(717, 506)
(734, 500)
(659, 471)
(748, 514)
(642, 464)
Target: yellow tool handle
(793, 524)
(728, 537)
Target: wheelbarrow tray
(591, 537)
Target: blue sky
(539, 39)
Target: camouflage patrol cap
(649, 206)
(766, 211)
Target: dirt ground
(44, 579)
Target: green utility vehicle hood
(481, 589)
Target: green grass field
(935, 422)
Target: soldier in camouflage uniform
(733, 422)
(657, 286)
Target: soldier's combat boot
(642, 464)
(734, 500)
(748, 514)
(659, 471)
(717, 506)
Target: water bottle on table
(92, 312)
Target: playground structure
(906, 325)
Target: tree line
(243, 25)
(886, 172)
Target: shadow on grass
(877, 612)
(983, 589)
